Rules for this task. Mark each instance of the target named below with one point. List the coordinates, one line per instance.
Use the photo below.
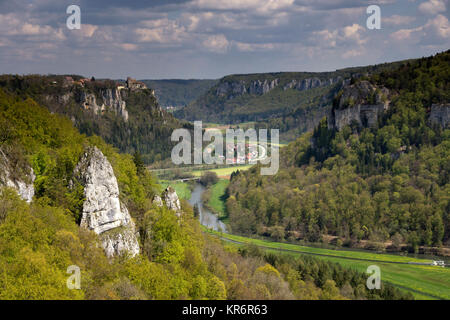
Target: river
(206, 217)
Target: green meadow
(423, 281)
(182, 188)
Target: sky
(185, 39)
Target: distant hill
(293, 102)
(126, 116)
(375, 175)
(178, 93)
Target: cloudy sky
(212, 38)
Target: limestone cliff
(238, 88)
(102, 210)
(311, 83)
(111, 101)
(360, 103)
(19, 178)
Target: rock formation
(440, 115)
(232, 89)
(262, 87)
(23, 185)
(171, 200)
(311, 83)
(112, 101)
(102, 210)
(361, 103)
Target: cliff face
(234, 89)
(23, 184)
(102, 210)
(311, 83)
(361, 103)
(440, 115)
(112, 101)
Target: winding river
(207, 218)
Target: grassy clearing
(223, 172)
(216, 199)
(183, 189)
(421, 280)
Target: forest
(381, 187)
(147, 130)
(38, 241)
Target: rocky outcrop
(22, 183)
(102, 210)
(232, 89)
(171, 200)
(259, 87)
(112, 101)
(361, 103)
(440, 115)
(311, 83)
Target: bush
(209, 178)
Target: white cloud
(252, 47)
(216, 43)
(397, 20)
(161, 31)
(438, 27)
(435, 31)
(432, 6)
(258, 6)
(348, 35)
(88, 30)
(352, 53)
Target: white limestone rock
(102, 210)
(23, 186)
(112, 101)
(361, 103)
(171, 200)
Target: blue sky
(212, 38)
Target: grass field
(223, 172)
(215, 202)
(182, 188)
(424, 282)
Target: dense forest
(39, 240)
(146, 131)
(378, 187)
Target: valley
(378, 154)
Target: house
(438, 263)
(133, 84)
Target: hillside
(374, 175)
(91, 208)
(129, 118)
(293, 102)
(177, 93)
